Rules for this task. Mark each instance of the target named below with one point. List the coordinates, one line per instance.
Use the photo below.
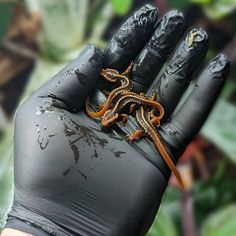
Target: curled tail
(99, 113)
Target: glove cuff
(15, 223)
(35, 221)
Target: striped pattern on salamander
(143, 118)
(131, 101)
(113, 76)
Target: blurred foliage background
(35, 42)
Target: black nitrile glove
(73, 177)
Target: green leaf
(6, 175)
(221, 223)
(216, 9)
(5, 18)
(221, 130)
(63, 26)
(178, 4)
(121, 7)
(163, 224)
(6, 193)
(219, 9)
(101, 22)
(201, 2)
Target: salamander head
(110, 74)
(109, 118)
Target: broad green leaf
(121, 7)
(163, 224)
(63, 26)
(221, 223)
(102, 20)
(220, 128)
(219, 8)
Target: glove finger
(70, 87)
(179, 71)
(189, 119)
(151, 59)
(130, 38)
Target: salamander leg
(151, 114)
(100, 106)
(107, 93)
(153, 97)
(137, 134)
(159, 109)
(142, 95)
(124, 118)
(132, 108)
(154, 119)
(128, 70)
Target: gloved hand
(73, 177)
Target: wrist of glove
(25, 226)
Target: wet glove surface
(73, 177)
